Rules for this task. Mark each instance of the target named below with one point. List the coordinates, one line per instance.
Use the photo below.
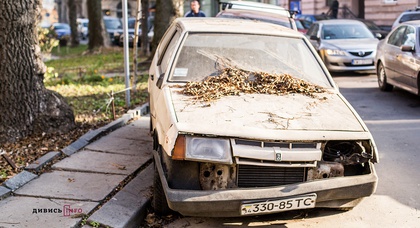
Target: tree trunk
(27, 107)
(166, 12)
(98, 36)
(72, 8)
(144, 26)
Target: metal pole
(126, 53)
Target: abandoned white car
(249, 121)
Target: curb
(128, 207)
(25, 176)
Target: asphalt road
(394, 120)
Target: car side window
(313, 30)
(168, 52)
(395, 37)
(409, 37)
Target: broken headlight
(347, 152)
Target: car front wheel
(159, 203)
(382, 80)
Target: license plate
(287, 204)
(361, 61)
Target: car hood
(253, 113)
(352, 44)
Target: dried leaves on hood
(232, 81)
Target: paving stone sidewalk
(106, 180)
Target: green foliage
(95, 224)
(3, 174)
(47, 40)
(50, 74)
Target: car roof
(415, 23)
(254, 15)
(211, 24)
(339, 21)
(256, 6)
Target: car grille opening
(266, 176)
(360, 53)
(351, 65)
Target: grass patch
(78, 61)
(81, 79)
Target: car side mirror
(407, 48)
(314, 38)
(378, 35)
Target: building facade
(382, 12)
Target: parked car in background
(287, 150)
(344, 44)
(258, 11)
(63, 32)
(311, 18)
(114, 28)
(408, 15)
(82, 27)
(375, 29)
(397, 58)
(258, 6)
(301, 26)
(131, 32)
(131, 29)
(61, 29)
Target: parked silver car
(344, 44)
(257, 11)
(398, 58)
(408, 15)
(238, 131)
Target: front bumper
(346, 63)
(331, 193)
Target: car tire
(159, 203)
(382, 79)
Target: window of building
(390, 1)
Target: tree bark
(144, 26)
(98, 36)
(166, 12)
(72, 8)
(27, 107)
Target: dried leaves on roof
(234, 81)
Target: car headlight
(202, 149)
(335, 52)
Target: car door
(312, 33)
(390, 52)
(406, 60)
(159, 71)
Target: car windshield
(410, 17)
(345, 31)
(113, 24)
(131, 23)
(204, 55)
(61, 26)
